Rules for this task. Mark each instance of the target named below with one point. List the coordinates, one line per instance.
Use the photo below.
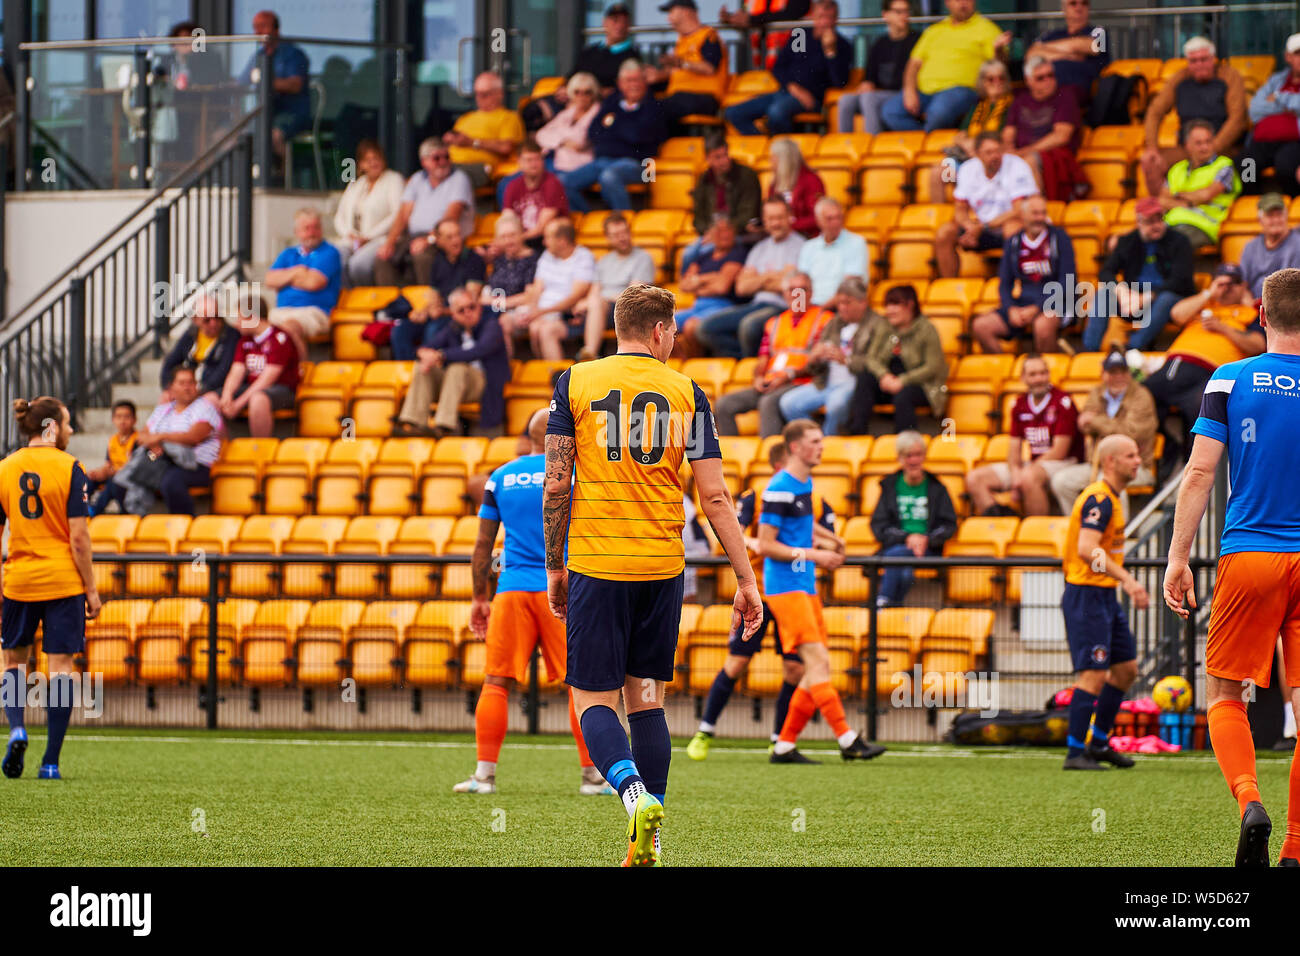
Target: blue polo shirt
(788, 506)
(325, 260)
(286, 60)
(513, 496)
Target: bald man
(1096, 628)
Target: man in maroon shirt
(264, 376)
(1043, 128)
(536, 194)
(1046, 419)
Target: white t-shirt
(558, 276)
(166, 418)
(838, 373)
(990, 198)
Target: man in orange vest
(757, 15)
(694, 76)
(782, 356)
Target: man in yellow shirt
(693, 78)
(939, 83)
(487, 135)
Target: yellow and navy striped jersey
(749, 509)
(1098, 507)
(634, 421)
(41, 487)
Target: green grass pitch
(141, 797)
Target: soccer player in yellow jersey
(1101, 644)
(619, 430)
(48, 578)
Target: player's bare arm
(560, 453)
(1193, 496)
(822, 538)
(1099, 558)
(769, 547)
(716, 503)
(79, 538)
(480, 568)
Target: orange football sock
(490, 718)
(1234, 748)
(575, 725)
(1291, 845)
(832, 708)
(801, 709)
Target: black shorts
(621, 629)
(1012, 333)
(282, 396)
(989, 239)
(64, 619)
(742, 648)
(1096, 628)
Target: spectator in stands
(939, 83)
(796, 184)
(290, 69)
(1044, 128)
(834, 361)
(1203, 344)
(737, 331)
(513, 262)
(207, 346)
(726, 187)
(566, 139)
(914, 516)
(1206, 89)
(366, 212)
(711, 278)
(435, 194)
(628, 130)
(1275, 134)
(454, 267)
(1200, 190)
(622, 266)
(264, 375)
(465, 361)
(758, 14)
(120, 446)
(536, 195)
(1228, 288)
(694, 76)
(834, 254)
(187, 432)
(1078, 53)
(1157, 265)
(603, 58)
(1276, 247)
(904, 365)
(564, 276)
(1045, 419)
(1039, 260)
(485, 135)
(989, 207)
(988, 115)
(805, 69)
(787, 342)
(886, 61)
(1116, 406)
(308, 278)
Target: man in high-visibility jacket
(693, 78)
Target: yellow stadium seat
(882, 180)
(373, 643)
(978, 537)
(365, 534)
(443, 495)
(158, 534)
(956, 624)
(838, 182)
(391, 486)
(703, 661)
(456, 456)
(237, 476)
(911, 259)
(312, 534)
(260, 534)
(849, 583)
(287, 481)
(710, 374)
(962, 292)
(893, 662)
(852, 147)
(119, 619)
(318, 643)
(955, 454)
(418, 535)
(671, 189)
(110, 655)
(1037, 536)
(907, 143)
(534, 380)
(207, 534)
(970, 412)
(499, 451)
(678, 153)
(910, 624)
(431, 642)
(376, 398)
(871, 222)
(985, 372)
(749, 150)
(265, 642)
(1092, 218)
(1108, 171)
(108, 535)
(340, 481)
(233, 615)
(160, 644)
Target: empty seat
(311, 534)
(158, 534)
(259, 534)
(366, 534)
(339, 484)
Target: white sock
(1288, 726)
(631, 795)
(487, 770)
(846, 738)
(706, 727)
(784, 746)
(775, 738)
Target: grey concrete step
(144, 394)
(94, 420)
(90, 450)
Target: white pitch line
(920, 750)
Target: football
(1172, 693)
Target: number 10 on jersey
(639, 431)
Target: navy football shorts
(621, 629)
(1095, 627)
(64, 619)
(749, 648)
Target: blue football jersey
(513, 496)
(787, 505)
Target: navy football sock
(1108, 702)
(12, 693)
(652, 749)
(58, 713)
(719, 694)
(1081, 705)
(783, 706)
(607, 744)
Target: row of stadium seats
(429, 644)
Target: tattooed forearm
(560, 452)
(481, 563)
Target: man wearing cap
(1157, 265)
(1275, 136)
(1117, 406)
(1276, 247)
(1227, 289)
(694, 76)
(603, 58)
(1200, 189)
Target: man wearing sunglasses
(435, 193)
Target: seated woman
(513, 264)
(904, 365)
(988, 115)
(366, 212)
(798, 185)
(564, 139)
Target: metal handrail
(207, 38)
